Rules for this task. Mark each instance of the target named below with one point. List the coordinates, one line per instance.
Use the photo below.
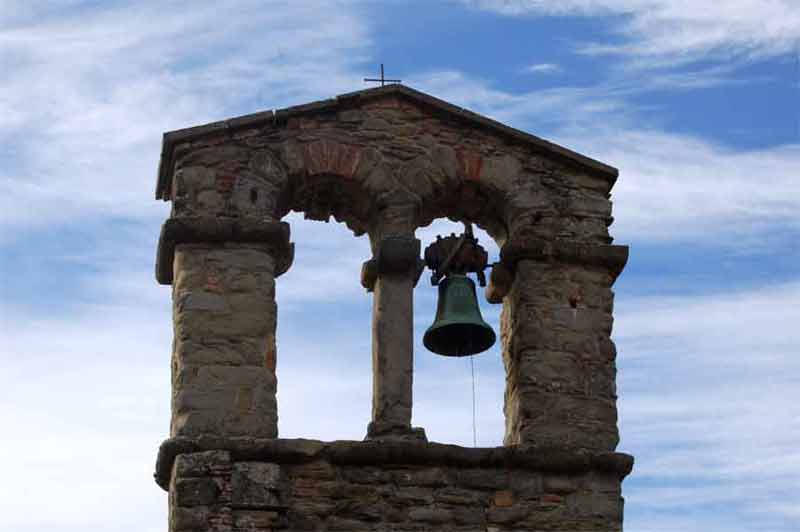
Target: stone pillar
(223, 362)
(559, 357)
(391, 275)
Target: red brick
(470, 164)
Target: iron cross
(383, 80)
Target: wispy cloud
(91, 87)
(673, 186)
(707, 386)
(544, 68)
(678, 187)
(89, 92)
(726, 365)
(664, 32)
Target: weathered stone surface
(195, 491)
(224, 354)
(256, 485)
(207, 463)
(262, 485)
(385, 162)
(392, 338)
(188, 518)
(255, 520)
(560, 388)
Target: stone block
(201, 464)
(360, 510)
(470, 164)
(428, 477)
(202, 301)
(365, 475)
(256, 485)
(430, 514)
(209, 202)
(482, 479)
(506, 515)
(465, 515)
(559, 484)
(501, 172)
(329, 157)
(188, 519)
(317, 470)
(457, 496)
(605, 505)
(195, 491)
(414, 495)
(503, 499)
(200, 399)
(255, 520)
(447, 161)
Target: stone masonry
(386, 161)
(249, 484)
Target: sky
(695, 101)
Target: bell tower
(386, 161)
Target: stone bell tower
(386, 161)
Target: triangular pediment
(403, 99)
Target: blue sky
(696, 102)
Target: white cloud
(707, 390)
(660, 32)
(544, 68)
(89, 93)
(672, 186)
(706, 387)
(534, 111)
(704, 380)
(678, 187)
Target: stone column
(223, 362)
(391, 275)
(559, 357)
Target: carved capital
(395, 255)
(198, 230)
(500, 281)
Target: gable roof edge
(256, 119)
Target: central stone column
(391, 276)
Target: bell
(459, 329)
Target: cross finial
(382, 79)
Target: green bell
(459, 329)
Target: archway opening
(443, 398)
(324, 343)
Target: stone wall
(294, 485)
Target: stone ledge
(613, 258)
(363, 453)
(198, 230)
